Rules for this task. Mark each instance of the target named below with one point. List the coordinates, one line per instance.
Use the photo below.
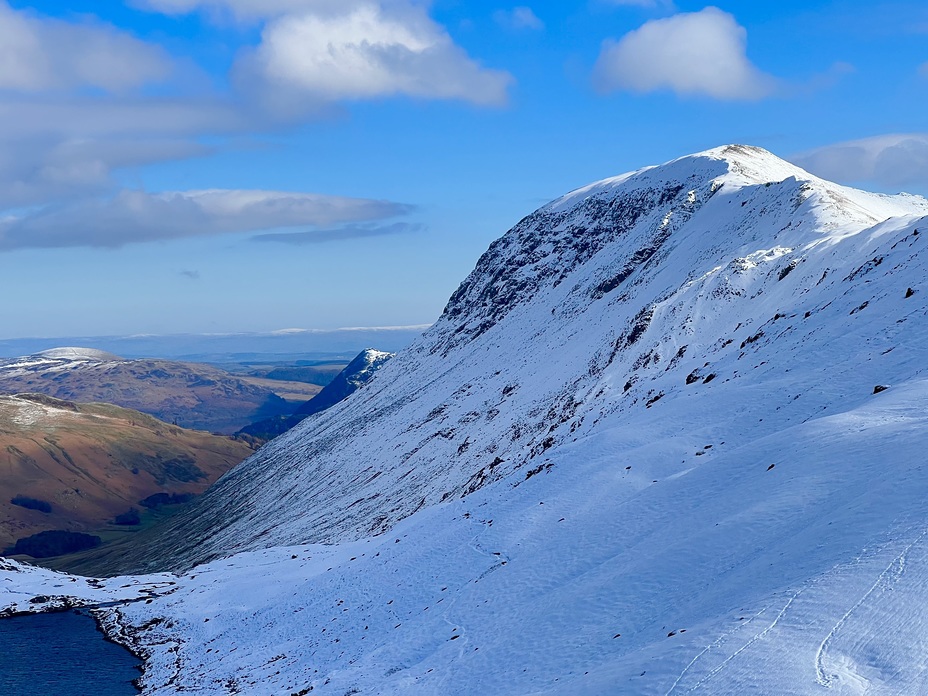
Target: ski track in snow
(751, 642)
(889, 576)
(892, 573)
(717, 644)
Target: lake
(62, 654)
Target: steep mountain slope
(193, 395)
(76, 466)
(603, 306)
(356, 374)
(666, 438)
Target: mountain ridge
(354, 376)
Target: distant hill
(77, 467)
(355, 375)
(320, 375)
(189, 394)
(288, 344)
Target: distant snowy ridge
(667, 438)
(56, 359)
(356, 374)
(72, 353)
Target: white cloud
(36, 171)
(519, 18)
(314, 52)
(338, 233)
(893, 160)
(39, 54)
(69, 118)
(136, 216)
(242, 10)
(700, 53)
(368, 51)
(69, 115)
(52, 149)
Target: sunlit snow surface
(659, 392)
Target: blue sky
(357, 156)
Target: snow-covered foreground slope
(771, 581)
(25, 589)
(640, 452)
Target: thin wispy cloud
(339, 233)
(189, 274)
(519, 18)
(893, 160)
(240, 10)
(133, 217)
(691, 54)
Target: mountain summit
(355, 375)
(666, 438)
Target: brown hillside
(194, 395)
(91, 462)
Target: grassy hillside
(77, 467)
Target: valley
(81, 475)
(192, 395)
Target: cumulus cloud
(519, 18)
(367, 50)
(136, 216)
(39, 54)
(887, 160)
(320, 51)
(338, 233)
(699, 53)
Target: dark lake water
(62, 654)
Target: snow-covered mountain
(356, 374)
(601, 309)
(666, 438)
